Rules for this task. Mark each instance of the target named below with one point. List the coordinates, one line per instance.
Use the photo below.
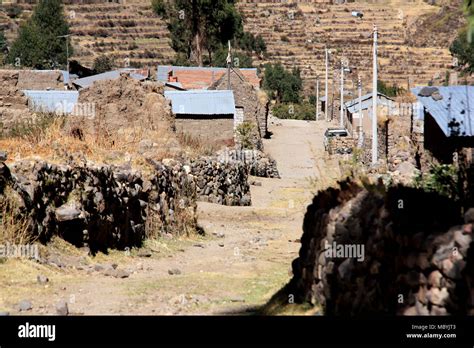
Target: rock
(437, 296)
(62, 308)
(221, 245)
(439, 311)
(144, 253)
(42, 279)
(237, 299)
(434, 279)
(452, 269)
(469, 216)
(67, 213)
(98, 267)
(199, 245)
(4, 314)
(218, 234)
(174, 271)
(24, 306)
(421, 309)
(122, 274)
(3, 156)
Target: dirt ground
(242, 261)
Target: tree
(103, 64)
(463, 50)
(240, 59)
(39, 44)
(159, 7)
(389, 91)
(281, 84)
(200, 28)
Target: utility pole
(359, 87)
(341, 121)
(374, 103)
(317, 98)
(361, 124)
(229, 64)
(327, 83)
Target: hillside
(414, 35)
(296, 34)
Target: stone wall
(117, 206)
(417, 253)
(257, 162)
(221, 182)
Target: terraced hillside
(128, 31)
(297, 32)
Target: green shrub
(303, 111)
(441, 178)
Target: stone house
(255, 109)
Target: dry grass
(14, 226)
(196, 145)
(57, 143)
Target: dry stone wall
(402, 252)
(117, 206)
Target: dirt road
(244, 259)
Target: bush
(103, 64)
(246, 133)
(159, 7)
(441, 178)
(283, 85)
(14, 11)
(304, 111)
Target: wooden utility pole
(374, 102)
(341, 121)
(359, 87)
(326, 105)
(317, 98)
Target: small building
(200, 77)
(448, 119)
(60, 102)
(247, 100)
(365, 104)
(137, 74)
(207, 115)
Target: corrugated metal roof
(109, 75)
(368, 96)
(202, 102)
(457, 104)
(52, 101)
(353, 105)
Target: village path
(244, 259)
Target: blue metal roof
(163, 70)
(457, 104)
(202, 102)
(52, 101)
(109, 75)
